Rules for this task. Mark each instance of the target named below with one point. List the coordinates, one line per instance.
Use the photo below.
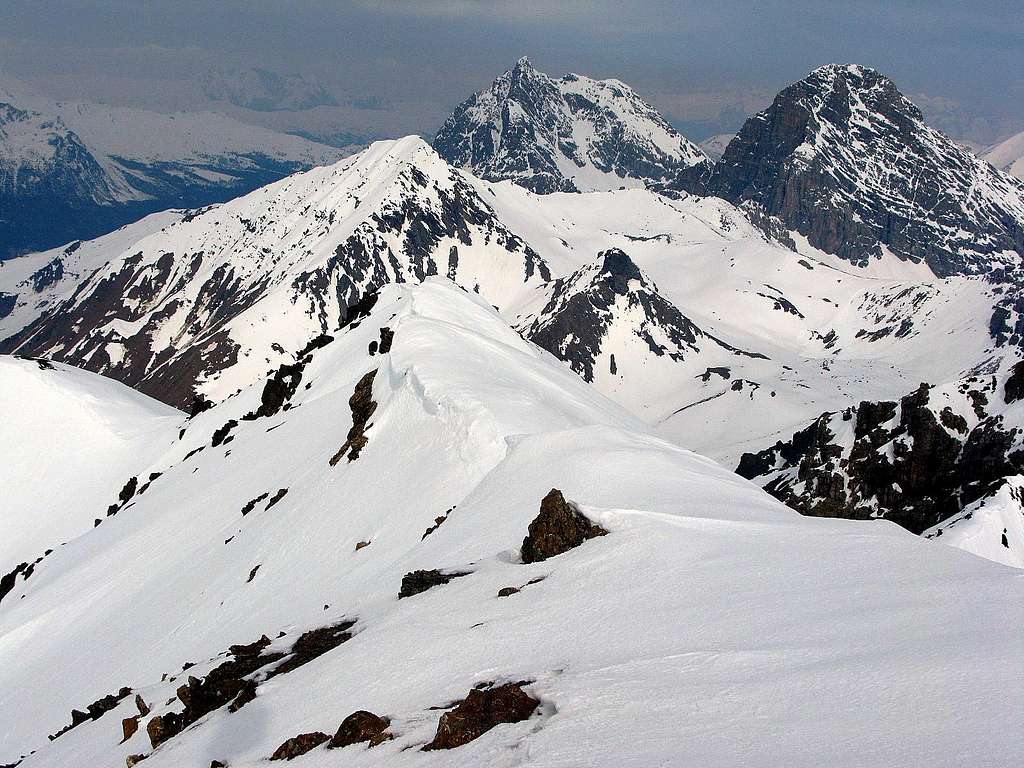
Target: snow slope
(70, 438)
(711, 624)
(830, 333)
(1008, 155)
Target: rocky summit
(566, 135)
(846, 160)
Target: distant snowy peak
(846, 160)
(75, 171)
(608, 308)
(218, 297)
(714, 146)
(41, 156)
(571, 134)
(1008, 155)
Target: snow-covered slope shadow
(69, 438)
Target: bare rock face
(361, 727)
(299, 745)
(559, 527)
(847, 160)
(363, 406)
(480, 711)
(129, 726)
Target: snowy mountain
(714, 146)
(1008, 155)
(571, 134)
(74, 171)
(846, 160)
(720, 338)
(218, 296)
(462, 490)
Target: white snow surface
(711, 626)
(69, 437)
(991, 527)
(1008, 155)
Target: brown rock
(141, 704)
(129, 726)
(506, 591)
(480, 711)
(559, 527)
(362, 405)
(361, 726)
(361, 544)
(134, 760)
(299, 745)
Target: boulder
(480, 711)
(299, 745)
(359, 727)
(559, 527)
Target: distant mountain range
(71, 171)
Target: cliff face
(846, 160)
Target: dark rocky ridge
(575, 320)
(915, 462)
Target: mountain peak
(846, 159)
(524, 64)
(567, 135)
(617, 264)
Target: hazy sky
(703, 63)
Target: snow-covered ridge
(466, 427)
(570, 134)
(217, 297)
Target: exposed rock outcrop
(363, 407)
(361, 727)
(415, 582)
(559, 527)
(299, 745)
(915, 462)
(480, 711)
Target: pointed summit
(845, 159)
(610, 307)
(568, 135)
